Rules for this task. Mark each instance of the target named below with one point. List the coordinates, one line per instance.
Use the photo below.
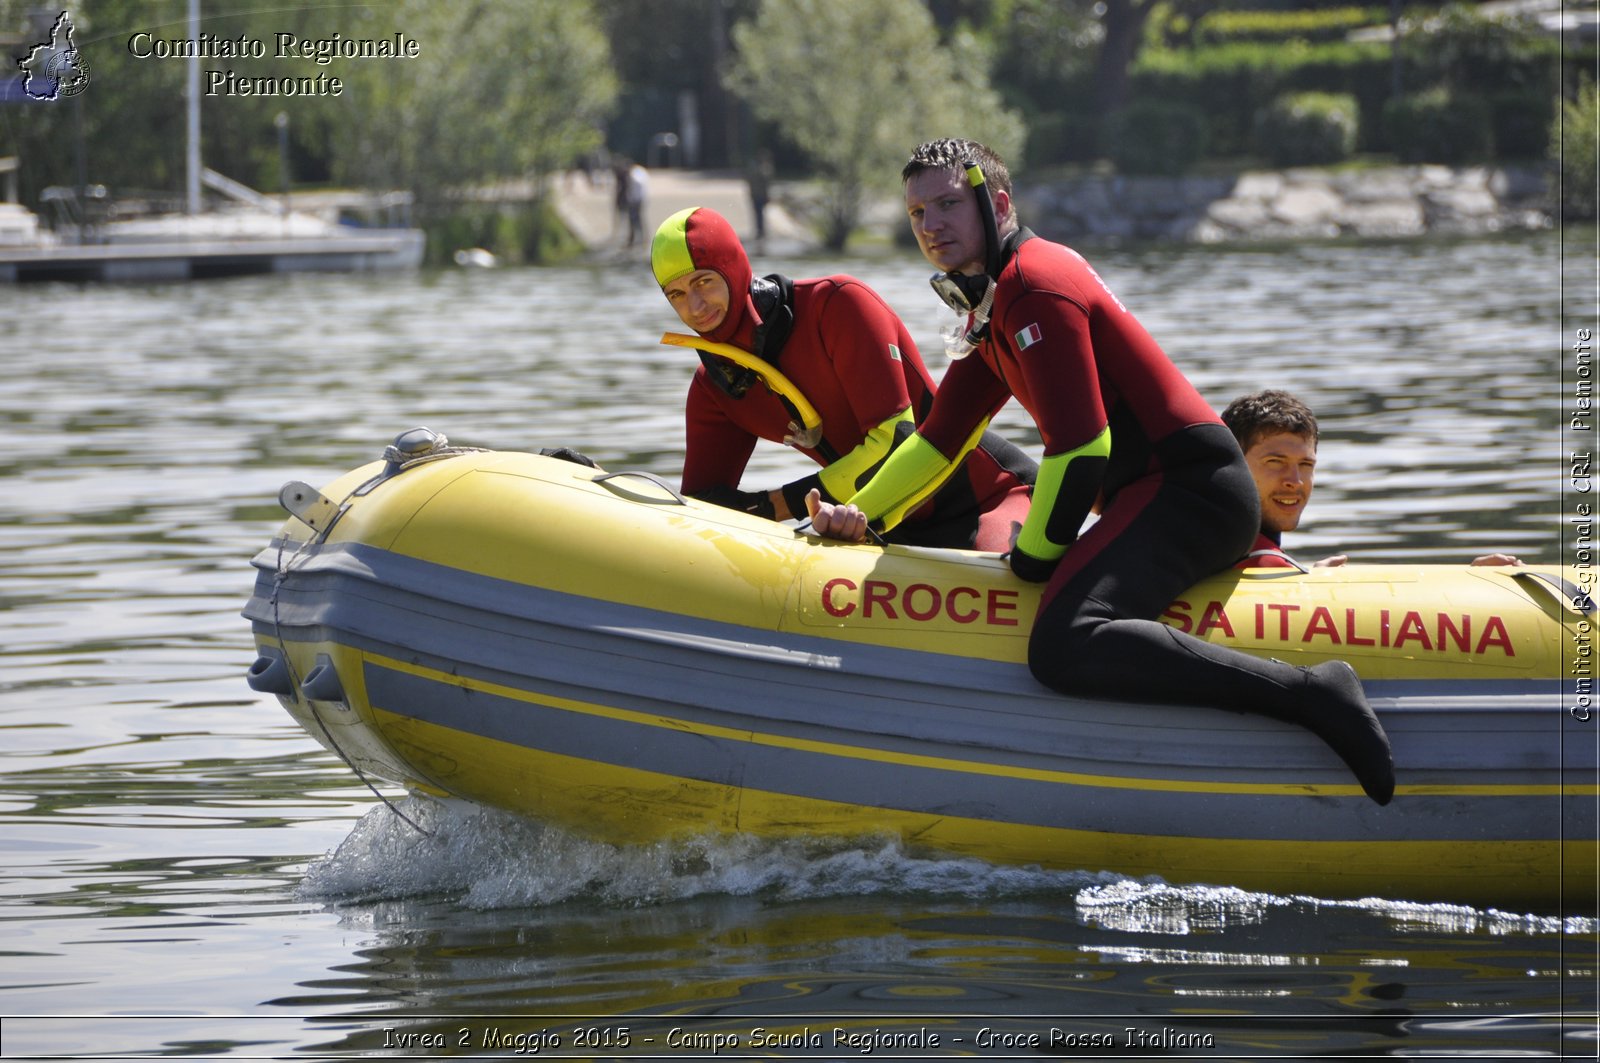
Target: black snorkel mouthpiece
(974, 295)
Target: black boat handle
(1564, 590)
(606, 481)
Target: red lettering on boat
(1214, 617)
(1449, 632)
(1350, 635)
(1177, 615)
(1321, 624)
(1283, 618)
(1462, 636)
(827, 597)
(920, 602)
(1002, 601)
(879, 592)
(933, 598)
(950, 605)
(1411, 628)
(1494, 634)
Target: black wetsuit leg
(1097, 634)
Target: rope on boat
(281, 569)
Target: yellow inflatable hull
(590, 649)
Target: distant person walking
(620, 165)
(759, 176)
(636, 189)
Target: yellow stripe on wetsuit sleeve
(1054, 471)
(912, 472)
(842, 477)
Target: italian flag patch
(1028, 337)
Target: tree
(665, 51)
(519, 91)
(1123, 22)
(1574, 149)
(125, 131)
(1071, 60)
(856, 84)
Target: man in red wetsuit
(1278, 434)
(1121, 427)
(852, 359)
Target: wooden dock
(360, 250)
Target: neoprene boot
(1325, 699)
(1335, 709)
(1169, 666)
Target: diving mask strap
(731, 380)
(956, 289)
(959, 344)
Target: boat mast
(193, 154)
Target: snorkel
(991, 227)
(973, 295)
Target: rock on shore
(1298, 204)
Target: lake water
(187, 873)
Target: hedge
(1231, 83)
(1157, 137)
(1328, 24)
(1307, 128)
(1574, 146)
(1440, 125)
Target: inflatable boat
(593, 650)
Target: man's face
(1282, 464)
(700, 298)
(943, 208)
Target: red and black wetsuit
(1119, 423)
(841, 357)
(1122, 425)
(1267, 553)
(842, 347)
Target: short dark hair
(1250, 417)
(953, 153)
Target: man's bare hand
(1496, 559)
(835, 520)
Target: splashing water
(1161, 908)
(493, 859)
(489, 859)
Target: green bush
(1439, 125)
(1232, 82)
(517, 233)
(1508, 63)
(1573, 147)
(1059, 137)
(1521, 120)
(1157, 137)
(1308, 128)
(1473, 52)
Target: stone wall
(1389, 202)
